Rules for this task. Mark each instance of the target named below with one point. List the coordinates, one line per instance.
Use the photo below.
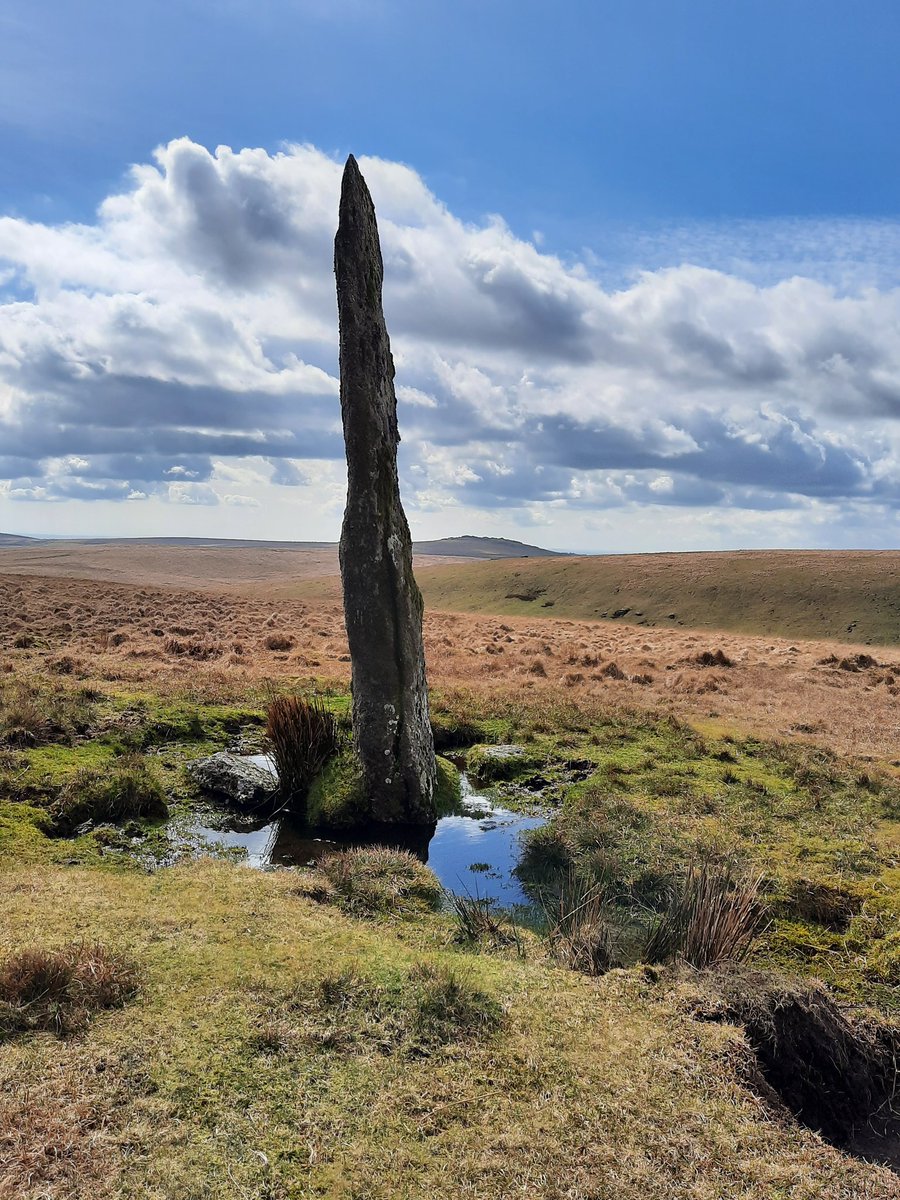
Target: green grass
(244, 1067)
(798, 594)
(659, 795)
(372, 880)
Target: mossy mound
(491, 764)
(447, 794)
(453, 731)
(127, 789)
(337, 799)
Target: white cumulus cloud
(185, 343)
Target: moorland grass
(584, 1088)
(793, 594)
(204, 1086)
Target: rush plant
(303, 735)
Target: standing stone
(382, 604)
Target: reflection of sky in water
(459, 842)
(482, 834)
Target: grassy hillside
(850, 595)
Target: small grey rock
(502, 753)
(240, 780)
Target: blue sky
(636, 183)
(560, 116)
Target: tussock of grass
(478, 923)
(34, 712)
(278, 641)
(372, 880)
(196, 649)
(582, 931)
(712, 658)
(59, 990)
(713, 917)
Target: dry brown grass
(845, 696)
(70, 1128)
(52, 1138)
(58, 991)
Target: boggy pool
(472, 852)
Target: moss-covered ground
(280, 1047)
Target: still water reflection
(474, 851)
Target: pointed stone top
(357, 250)
(355, 195)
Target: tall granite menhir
(382, 604)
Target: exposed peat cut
(837, 1071)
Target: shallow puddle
(474, 852)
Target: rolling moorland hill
(466, 546)
(216, 562)
(469, 546)
(851, 595)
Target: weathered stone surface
(491, 763)
(382, 604)
(503, 752)
(238, 779)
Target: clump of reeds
(713, 917)
(480, 924)
(580, 930)
(303, 735)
